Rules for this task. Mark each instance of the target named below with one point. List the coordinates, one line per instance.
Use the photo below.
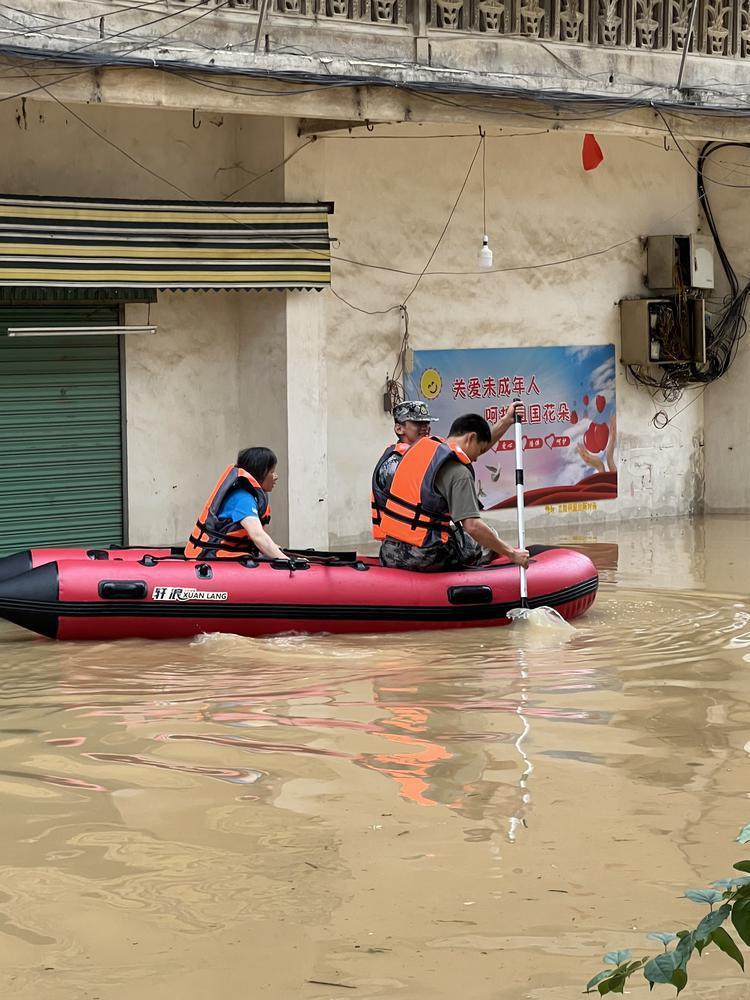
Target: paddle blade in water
(543, 619)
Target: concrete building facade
(304, 372)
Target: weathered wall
(726, 401)
(393, 197)
(228, 370)
(182, 412)
(189, 389)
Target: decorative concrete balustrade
(368, 11)
(720, 28)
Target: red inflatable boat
(22, 562)
(159, 595)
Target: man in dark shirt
(472, 541)
(411, 421)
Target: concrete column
(282, 360)
(306, 368)
(307, 419)
(262, 390)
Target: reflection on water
(407, 816)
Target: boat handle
(470, 595)
(122, 589)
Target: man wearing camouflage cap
(462, 538)
(411, 421)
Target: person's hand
(593, 460)
(519, 557)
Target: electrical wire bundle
(729, 324)
(394, 383)
(726, 327)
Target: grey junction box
(653, 333)
(676, 262)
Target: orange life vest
(379, 495)
(413, 511)
(215, 537)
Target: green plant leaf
(664, 936)
(711, 921)
(744, 835)
(679, 979)
(684, 950)
(741, 918)
(722, 939)
(615, 984)
(616, 957)
(683, 934)
(703, 895)
(605, 974)
(742, 866)
(731, 883)
(661, 969)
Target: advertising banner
(569, 429)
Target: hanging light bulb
(485, 254)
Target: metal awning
(92, 243)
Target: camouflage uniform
(458, 552)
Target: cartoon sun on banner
(570, 429)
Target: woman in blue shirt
(242, 507)
(232, 520)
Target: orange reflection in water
(411, 771)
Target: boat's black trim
(11, 608)
(34, 603)
(19, 562)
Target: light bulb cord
(484, 182)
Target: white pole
(519, 502)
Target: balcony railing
(720, 29)
(660, 25)
(368, 11)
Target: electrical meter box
(658, 332)
(676, 262)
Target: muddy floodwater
(447, 815)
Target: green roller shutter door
(60, 431)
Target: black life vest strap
(427, 524)
(417, 508)
(211, 541)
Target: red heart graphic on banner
(601, 402)
(596, 437)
